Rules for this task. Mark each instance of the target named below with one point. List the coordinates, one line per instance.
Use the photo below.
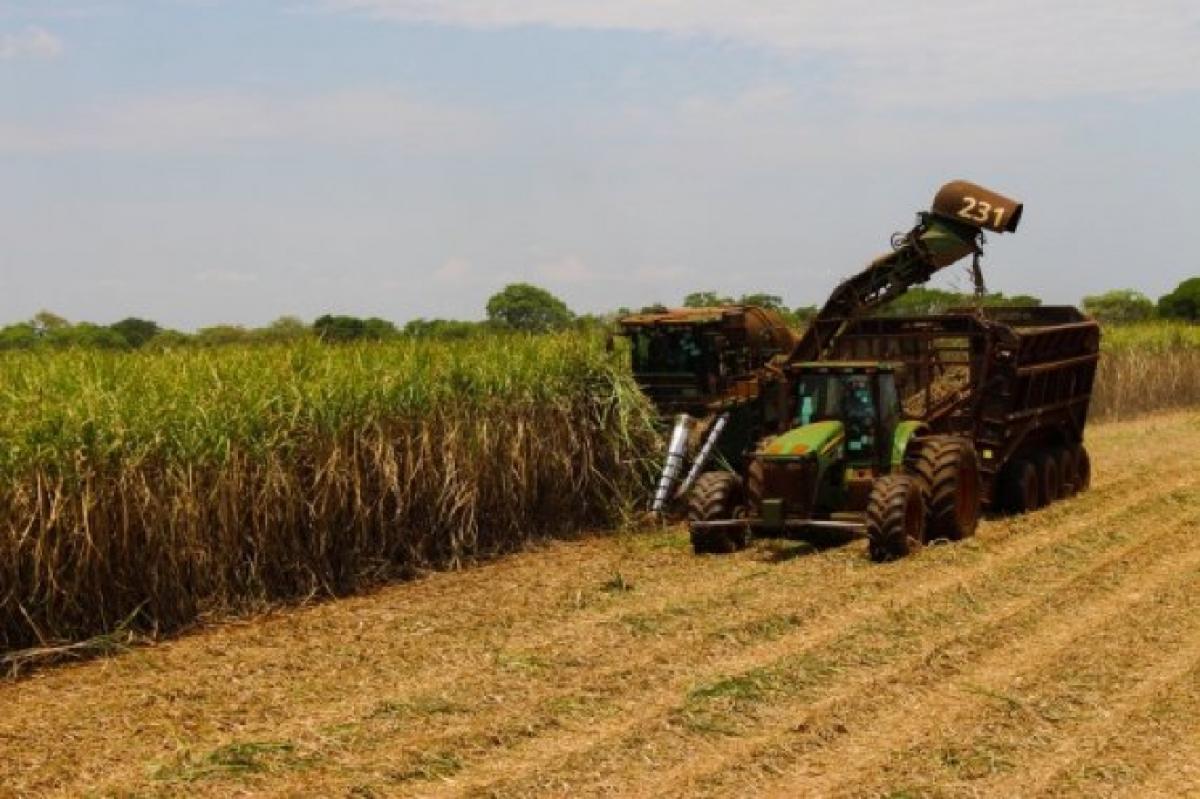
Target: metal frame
(1028, 382)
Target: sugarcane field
(599, 400)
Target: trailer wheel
(1020, 487)
(1049, 475)
(895, 517)
(717, 496)
(1083, 469)
(1066, 468)
(948, 470)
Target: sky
(209, 161)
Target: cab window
(845, 398)
(860, 417)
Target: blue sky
(201, 161)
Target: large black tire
(948, 470)
(715, 497)
(1083, 469)
(1049, 475)
(1020, 487)
(895, 517)
(1066, 470)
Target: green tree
(442, 328)
(706, 299)
(134, 331)
(762, 300)
(998, 299)
(332, 328)
(803, 314)
(1119, 306)
(520, 306)
(87, 335)
(285, 328)
(1183, 302)
(45, 322)
(168, 339)
(922, 301)
(378, 329)
(219, 335)
(21, 336)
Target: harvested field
(1057, 654)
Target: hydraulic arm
(949, 232)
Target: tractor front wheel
(717, 496)
(895, 517)
(948, 470)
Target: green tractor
(852, 464)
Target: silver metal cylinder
(710, 442)
(676, 452)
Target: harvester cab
(693, 360)
(705, 370)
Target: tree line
(521, 307)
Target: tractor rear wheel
(895, 517)
(1021, 487)
(1083, 469)
(1066, 468)
(948, 470)
(717, 496)
(1049, 475)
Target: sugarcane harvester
(704, 369)
(904, 428)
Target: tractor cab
(859, 398)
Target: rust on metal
(972, 204)
(1009, 379)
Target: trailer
(908, 427)
(1016, 381)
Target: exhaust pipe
(676, 451)
(705, 453)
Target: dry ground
(1057, 654)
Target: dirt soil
(1056, 654)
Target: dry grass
(141, 491)
(1057, 654)
(1145, 368)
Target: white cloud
(192, 121)
(935, 52)
(766, 128)
(32, 42)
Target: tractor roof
(682, 316)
